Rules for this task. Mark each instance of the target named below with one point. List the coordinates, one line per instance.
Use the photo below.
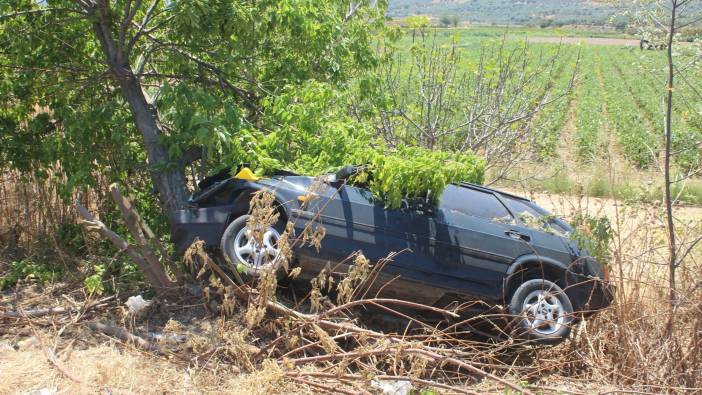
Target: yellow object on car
(246, 174)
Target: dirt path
(564, 204)
(586, 40)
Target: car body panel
(453, 250)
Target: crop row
(644, 74)
(589, 120)
(637, 138)
(552, 118)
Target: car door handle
(517, 235)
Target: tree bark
(168, 176)
(153, 271)
(672, 249)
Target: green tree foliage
(417, 22)
(76, 74)
(449, 20)
(322, 136)
(125, 89)
(415, 172)
(593, 234)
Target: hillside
(508, 12)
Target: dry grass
(630, 345)
(107, 367)
(627, 347)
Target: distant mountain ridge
(509, 12)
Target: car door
(479, 239)
(410, 232)
(547, 236)
(352, 219)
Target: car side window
(473, 202)
(530, 214)
(520, 208)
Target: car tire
(241, 250)
(542, 312)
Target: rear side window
(473, 202)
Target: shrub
(26, 270)
(411, 172)
(593, 234)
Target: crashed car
(474, 244)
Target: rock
(27, 343)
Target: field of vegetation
(610, 117)
(616, 120)
(509, 12)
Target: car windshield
(536, 217)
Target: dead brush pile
(636, 343)
(318, 343)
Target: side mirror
(346, 172)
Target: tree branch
(39, 11)
(141, 27)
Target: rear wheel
(246, 252)
(542, 311)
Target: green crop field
(612, 115)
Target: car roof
(491, 190)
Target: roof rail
(487, 189)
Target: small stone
(27, 343)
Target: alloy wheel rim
(544, 312)
(253, 254)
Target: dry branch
(37, 312)
(140, 233)
(431, 355)
(54, 361)
(124, 335)
(399, 348)
(382, 377)
(54, 310)
(146, 260)
(91, 223)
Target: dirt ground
(108, 368)
(88, 362)
(562, 205)
(585, 40)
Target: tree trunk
(672, 249)
(168, 177)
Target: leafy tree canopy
(125, 88)
(209, 68)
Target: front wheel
(246, 252)
(543, 312)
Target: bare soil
(585, 40)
